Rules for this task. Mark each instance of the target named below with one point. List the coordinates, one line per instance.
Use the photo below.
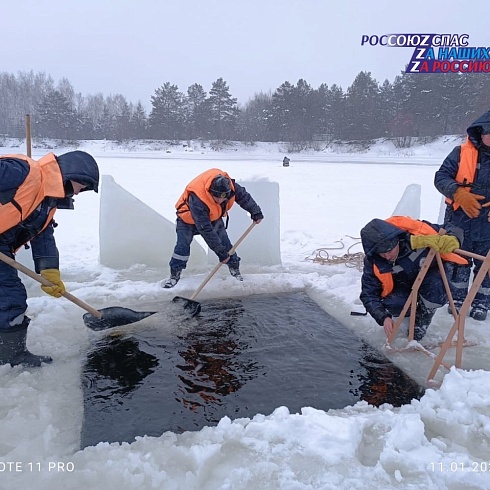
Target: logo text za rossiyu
(436, 53)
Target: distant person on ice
(395, 250)
(464, 178)
(200, 211)
(30, 193)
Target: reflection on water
(381, 382)
(212, 366)
(238, 358)
(120, 360)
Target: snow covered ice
(439, 442)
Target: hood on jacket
(378, 235)
(474, 129)
(80, 167)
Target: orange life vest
(467, 168)
(43, 180)
(200, 187)
(414, 227)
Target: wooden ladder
(459, 318)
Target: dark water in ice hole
(242, 357)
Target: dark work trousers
(13, 296)
(185, 235)
(459, 275)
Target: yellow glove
(53, 276)
(440, 243)
(468, 201)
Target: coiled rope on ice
(350, 259)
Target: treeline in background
(412, 106)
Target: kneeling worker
(395, 250)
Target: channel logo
(436, 53)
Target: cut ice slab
(409, 204)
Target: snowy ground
(441, 441)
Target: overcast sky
(132, 47)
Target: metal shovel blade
(191, 307)
(114, 316)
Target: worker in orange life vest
(464, 178)
(30, 193)
(201, 208)
(395, 250)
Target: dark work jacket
(445, 181)
(205, 227)
(13, 172)
(76, 165)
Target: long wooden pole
(459, 322)
(28, 136)
(219, 264)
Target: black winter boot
(235, 272)
(478, 313)
(173, 279)
(457, 304)
(423, 317)
(13, 349)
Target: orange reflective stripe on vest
(467, 168)
(414, 227)
(386, 279)
(44, 179)
(200, 187)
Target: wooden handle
(218, 265)
(16, 265)
(28, 136)
(469, 254)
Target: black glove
(257, 216)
